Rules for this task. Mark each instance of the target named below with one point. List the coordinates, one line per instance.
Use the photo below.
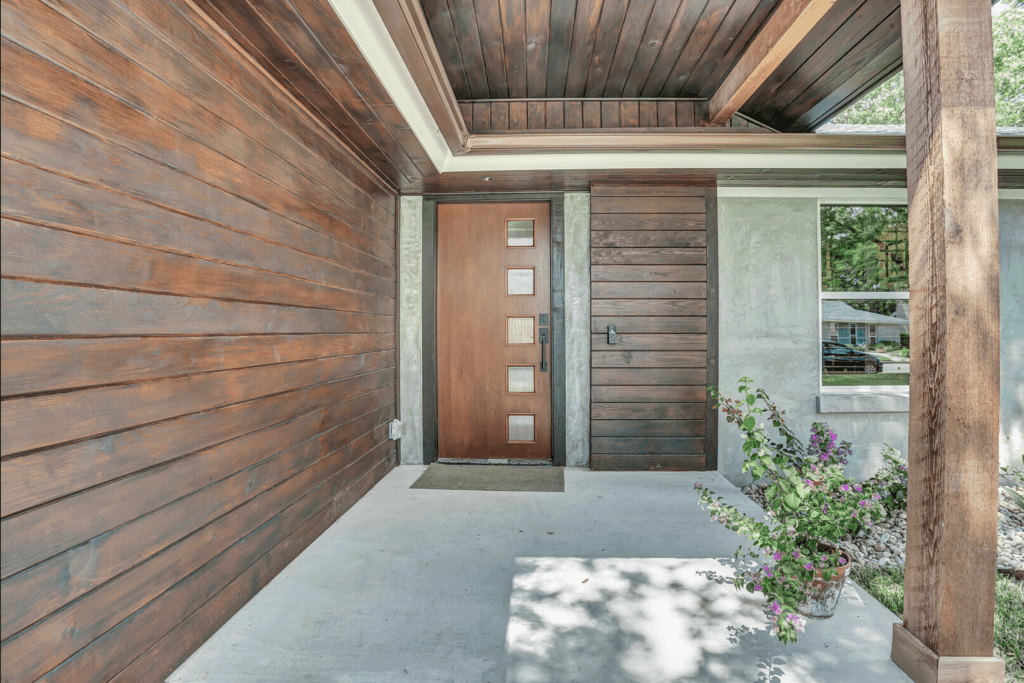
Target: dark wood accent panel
(198, 284)
(651, 279)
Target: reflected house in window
(841, 322)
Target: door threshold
(494, 461)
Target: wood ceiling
(510, 49)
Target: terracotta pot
(823, 596)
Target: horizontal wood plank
(644, 238)
(647, 376)
(649, 290)
(647, 204)
(649, 307)
(632, 463)
(655, 394)
(662, 255)
(648, 359)
(648, 411)
(648, 428)
(647, 221)
(649, 273)
(646, 325)
(602, 190)
(650, 342)
(646, 444)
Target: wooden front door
(493, 331)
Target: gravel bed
(885, 542)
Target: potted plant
(810, 506)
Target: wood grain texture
(953, 492)
(198, 286)
(649, 405)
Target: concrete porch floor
(612, 580)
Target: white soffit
(367, 28)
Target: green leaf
(749, 422)
(792, 501)
(750, 399)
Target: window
(864, 294)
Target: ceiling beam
(793, 20)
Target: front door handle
(543, 355)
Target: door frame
(557, 258)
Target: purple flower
(844, 488)
(875, 496)
(777, 556)
(796, 553)
(842, 560)
(696, 485)
(858, 488)
(757, 587)
(808, 566)
(767, 571)
(808, 482)
(824, 558)
(776, 607)
(862, 503)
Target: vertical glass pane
(520, 330)
(520, 233)
(520, 428)
(520, 379)
(520, 281)
(870, 344)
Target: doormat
(492, 478)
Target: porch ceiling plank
(881, 44)
(563, 15)
(790, 24)
(538, 19)
(468, 33)
(442, 27)
(653, 42)
(633, 26)
(711, 18)
(613, 14)
(743, 24)
(584, 37)
(492, 42)
(953, 469)
(675, 42)
(832, 51)
(513, 31)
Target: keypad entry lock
(543, 349)
(611, 334)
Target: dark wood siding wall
(198, 335)
(654, 275)
(505, 115)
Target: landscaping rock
(885, 542)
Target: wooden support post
(954, 320)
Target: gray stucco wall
(410, 328)
(577, 329)
(1011, 322)
(769, 330)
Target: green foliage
(886, 585)
(885, 104)
(864, 249)
(811, 505)
(890, 482)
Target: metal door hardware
(542, 319)
(611, 334)
(543, 355)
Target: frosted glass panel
(520, 281)
(520, 379)
(520, 233)
(520, 330)
(520, 428)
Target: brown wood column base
(924, 666)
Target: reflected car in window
(836, 357)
